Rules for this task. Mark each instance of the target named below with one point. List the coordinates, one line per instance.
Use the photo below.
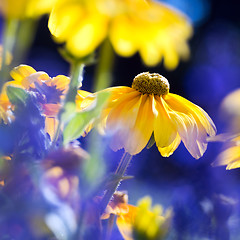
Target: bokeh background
(205, 199)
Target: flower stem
(103, 76)
(9, 40)
(121, 169)
(76, 82)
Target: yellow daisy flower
(153, 29)
(132, 115)
(52, 90)
(25, 8)
(141, 221)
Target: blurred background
(199, 193)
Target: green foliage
(17, 95)
(78, 123)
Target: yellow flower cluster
(141, 221)
(151, 28)
(54, 90)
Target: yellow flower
(230, 110)
(132, 115)
(231, 155)
(141, 221)
(25, 8)
(151, 28)
(52, 90)
(5, 108)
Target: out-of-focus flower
(60, 176)
(133, 114)
(151, 28)
(25, 8)
(8, 58)
(230, 112)
(50, 91)
(5, 114)
(141, 221)
(230, 109)
(230, 156)
(5, 108)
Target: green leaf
(81, 120)
(68, 112)
(17, 95)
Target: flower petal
(51, 126)
(21, 72)
(229, 157)
(125, 222)
(91, 31)
(121, 121)
(143, 128)
(169, 150)
(203, 120)
(188, 125)
(164, 131)
(61, 82)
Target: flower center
(151, 83)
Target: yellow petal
(125, 223)
(38, 77)
(89, 34)
(64, 18)
(169, 150)
(84, 99)
(51, 126)
(229, 157)
(121, 33)
(150, 54)
(164, 131)
(183, 105)
(171, 58)
(21, 72)
(61, 82)
(192, 122)
(187, 130)
(143, 128)
(121, 121)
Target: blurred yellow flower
(141, 221)
(132, 115)
(52, 91)
(230, 156)
(5, 108)
(151, 28)
(230, 110)
(25, 8)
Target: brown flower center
(151, 83)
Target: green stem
(76, 82)
(25, 36)
(103, 77)
(9, 40)
(121, 169)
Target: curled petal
(193, 123)
(164, 131)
